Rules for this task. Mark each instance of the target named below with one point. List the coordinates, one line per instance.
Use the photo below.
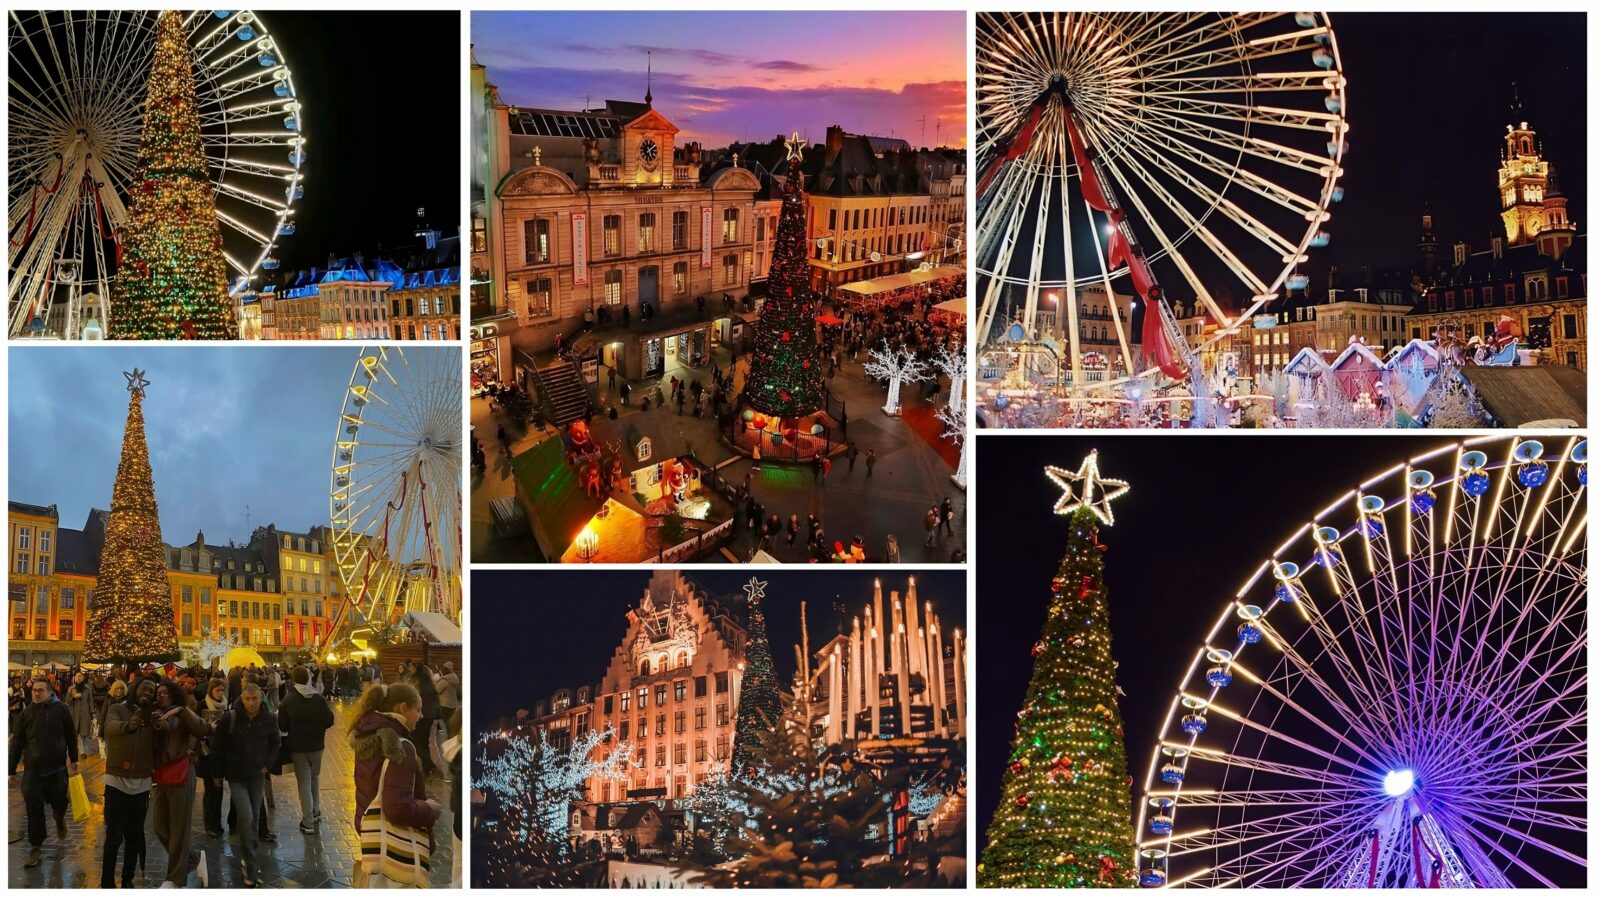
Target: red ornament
(784, 395)
(1039, 647)
(1017, 767)
(1024, 800)
(785, 336)
(1055, 584)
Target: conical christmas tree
(133, 616)
(1064, 819)
(172, 281)
(760, 707)
(786, 365)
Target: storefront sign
(591, 371)
(705, 237)
(580, 248)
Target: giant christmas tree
(133, 619)
(760, 707)
(1064, 818)
(172, 281)
(786, 365)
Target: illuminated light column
(960, 663)
(913, 626)
(853, 707)
(903, 681)
(835, 733)
(938, 669)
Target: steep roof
(1517, 395)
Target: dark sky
(227, 427)
(382, 107)
(537, 640)
(1201, 514)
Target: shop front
(490, 348)
(684, 349)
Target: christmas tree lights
(134, 620)
(760, 707)
(172, 280)
(786, 365)
(1064, 819)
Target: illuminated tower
(1524, 179)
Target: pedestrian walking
(422, 677)
(627, 391)
(212, 706)
(947, 516)
(80, 702)
(385, 757)
(816, 467)
(851, 455)
(306, 717)
(449, 685)
(45, 743)
(794, 527)
(893, 553)
(504, 439)
(246, 742)
(930, 524)
(611, 378)
(872, 460)
(174, 774)
(130, 730)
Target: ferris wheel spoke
(1309, 676)
(1498, 826)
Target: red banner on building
(705, 237)
(580, 248)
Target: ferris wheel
(1189, 156)
(395, 489)
(76, 104)
(1397, 697)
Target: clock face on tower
(649, 153)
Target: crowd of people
(165, 731)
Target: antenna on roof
(1516, 104)
(922, 137)
(647, 72)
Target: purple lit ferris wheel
(1397, 696)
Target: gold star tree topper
(1085, 489)
(755, 590)
(795, 147)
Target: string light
(171, 278)
(785, 367)
(760, 706)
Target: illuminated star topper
(754, 590)
(136, 381)
(1085, 489)
(796, 147)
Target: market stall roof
(663, 426)
(904, 279)
(1518, 395)
(763, 558)
(955, 307)
(829, 320)
(437, 627)
(555, 498)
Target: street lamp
(588, 544)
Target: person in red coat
(383, 724)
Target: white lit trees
(899, 366)
(953, 363)
(954, 419)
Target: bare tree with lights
(899, 366)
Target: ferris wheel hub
(1399, 782)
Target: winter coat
(130, 747)
(305, 721)
(81, 707)
(244, 747)
(178, 735)
(377, 738)
(43, 738)
(210, 764)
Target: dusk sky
(226, 426)
(730, 76)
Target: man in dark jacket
(306, 717)
(130, 732)
(246, 742)
(46, 743)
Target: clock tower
(647, 145)
(1524, 181)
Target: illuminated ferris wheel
(75, 106)
(1397, 697)
(1163, 151)
(395, 489)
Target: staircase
(562, 392)
(953, 816)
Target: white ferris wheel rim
(395, 485)
(1019, 51)
(86, 68)
(1290, 816)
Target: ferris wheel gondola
(1170, 152)
(75, 106)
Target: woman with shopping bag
(174, 777)
(393, 815)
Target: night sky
(227, 427)
(382, 107)
(1201, 514)
(732, 76)
(557, 628)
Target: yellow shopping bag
(79, 798)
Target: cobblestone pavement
(295, 860)
(909, 477)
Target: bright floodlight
(1399, 783)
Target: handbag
(390, 852)
(78, 797)
(173, 772)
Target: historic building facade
(244, 591)
(1535, 276)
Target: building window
(188, 594)
(699, 751)
(680, 689)
(644, 698)
(678, 720)
(626, 700)
(1569, 325)
(480, 235)
(67, 600)
(188, 624)
(722, 713)
(647, 232)
(44, 565)
(661, 756)
(722, 682)
(661, 695)
(536, 241)
(699, 718)
(699, 685)
(730, 225)
(623, 731)
(22, 563)
(680, 230)
(680, 279)
(611, 235)
(730, 269)
(539, 297)
(722, 748)
(680, 754)
(24, 537)
(42, 603)
(613, 295)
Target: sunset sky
(725, 76)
